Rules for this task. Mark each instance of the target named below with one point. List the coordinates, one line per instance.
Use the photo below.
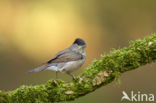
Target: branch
(99, 73)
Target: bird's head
(80, 42)
(78, 45)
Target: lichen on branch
(99, 73)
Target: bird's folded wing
(65, 56)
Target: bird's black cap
(79, 41)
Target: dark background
(32, 31)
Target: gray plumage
(66, 56)
(66, 61)
(38, 69)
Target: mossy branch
(99, 73)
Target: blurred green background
(32, 31)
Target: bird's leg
(71, 75)
(56, 74)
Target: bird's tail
(38, 69)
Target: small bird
(67, 60)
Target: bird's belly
(66, 67)
(72, 66)
(54, 68)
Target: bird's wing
(65, 56)
(57, 55)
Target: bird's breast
(72, 66)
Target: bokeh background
(33, 31)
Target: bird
(67, 60)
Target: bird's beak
(84, 46)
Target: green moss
(30, 94)
(4, 97)
(99, 73)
